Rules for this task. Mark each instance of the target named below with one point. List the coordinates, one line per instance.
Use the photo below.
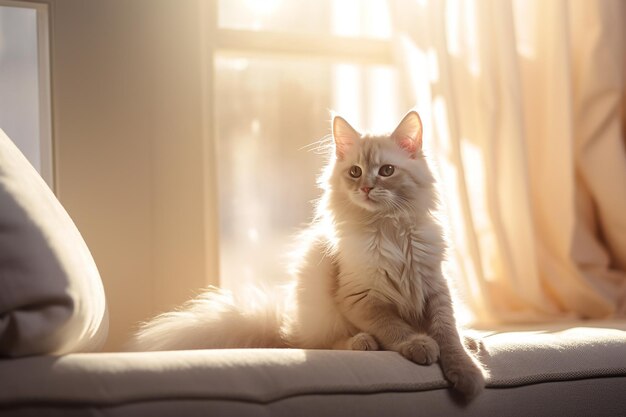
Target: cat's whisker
(321, 146)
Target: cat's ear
(408, 134)
(344, 135)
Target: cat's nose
(366, 190)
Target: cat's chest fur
(394, 260)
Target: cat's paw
(466, 377)
(420, 349)
(363, 341)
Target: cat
(369, 275)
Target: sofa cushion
(575, 371)
(51, 295)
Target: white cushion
(51, 296)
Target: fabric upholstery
(533, 372)
(51, 296)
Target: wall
(130, 139)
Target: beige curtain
(523, 106)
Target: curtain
(523, 106)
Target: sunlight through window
(270, 109)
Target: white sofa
(52, 306)
(567, 371)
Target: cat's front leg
(459, 366)
(390, 330)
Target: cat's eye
(386, 170)
(355, 171)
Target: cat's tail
(215, 319)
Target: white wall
(129, 138)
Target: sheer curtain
(523, 106)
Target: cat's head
(381, 173)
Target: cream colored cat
(369, 275)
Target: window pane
(354, 18)
(19, 94)
(268, 111)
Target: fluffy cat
(369, 276)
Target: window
(280, 67)
(25, 81)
